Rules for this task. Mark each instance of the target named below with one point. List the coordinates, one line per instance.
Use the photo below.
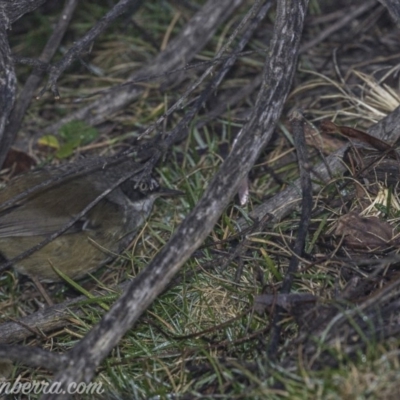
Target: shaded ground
(338, 330)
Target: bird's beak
(166, 192)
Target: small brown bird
(93, 240)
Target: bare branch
(393, 8)
(86, 40)
(179, 51)
(16, 9)
(33, 356)
(8, 79)
(35, 78)
(298, 248)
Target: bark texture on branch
(393, 7)
(8, 79)
(26, 94)
(15, 9)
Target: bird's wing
(48, 211)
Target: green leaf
(66, 150)
(49, 141)
(78, 130)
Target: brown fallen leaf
(323, 142)
(369, 233)
(18, 161)
(352, 133)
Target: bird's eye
(143, 187)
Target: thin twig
(86, 40)
(227, 64)
(179, 52)
(157, 148)
(306, 189)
